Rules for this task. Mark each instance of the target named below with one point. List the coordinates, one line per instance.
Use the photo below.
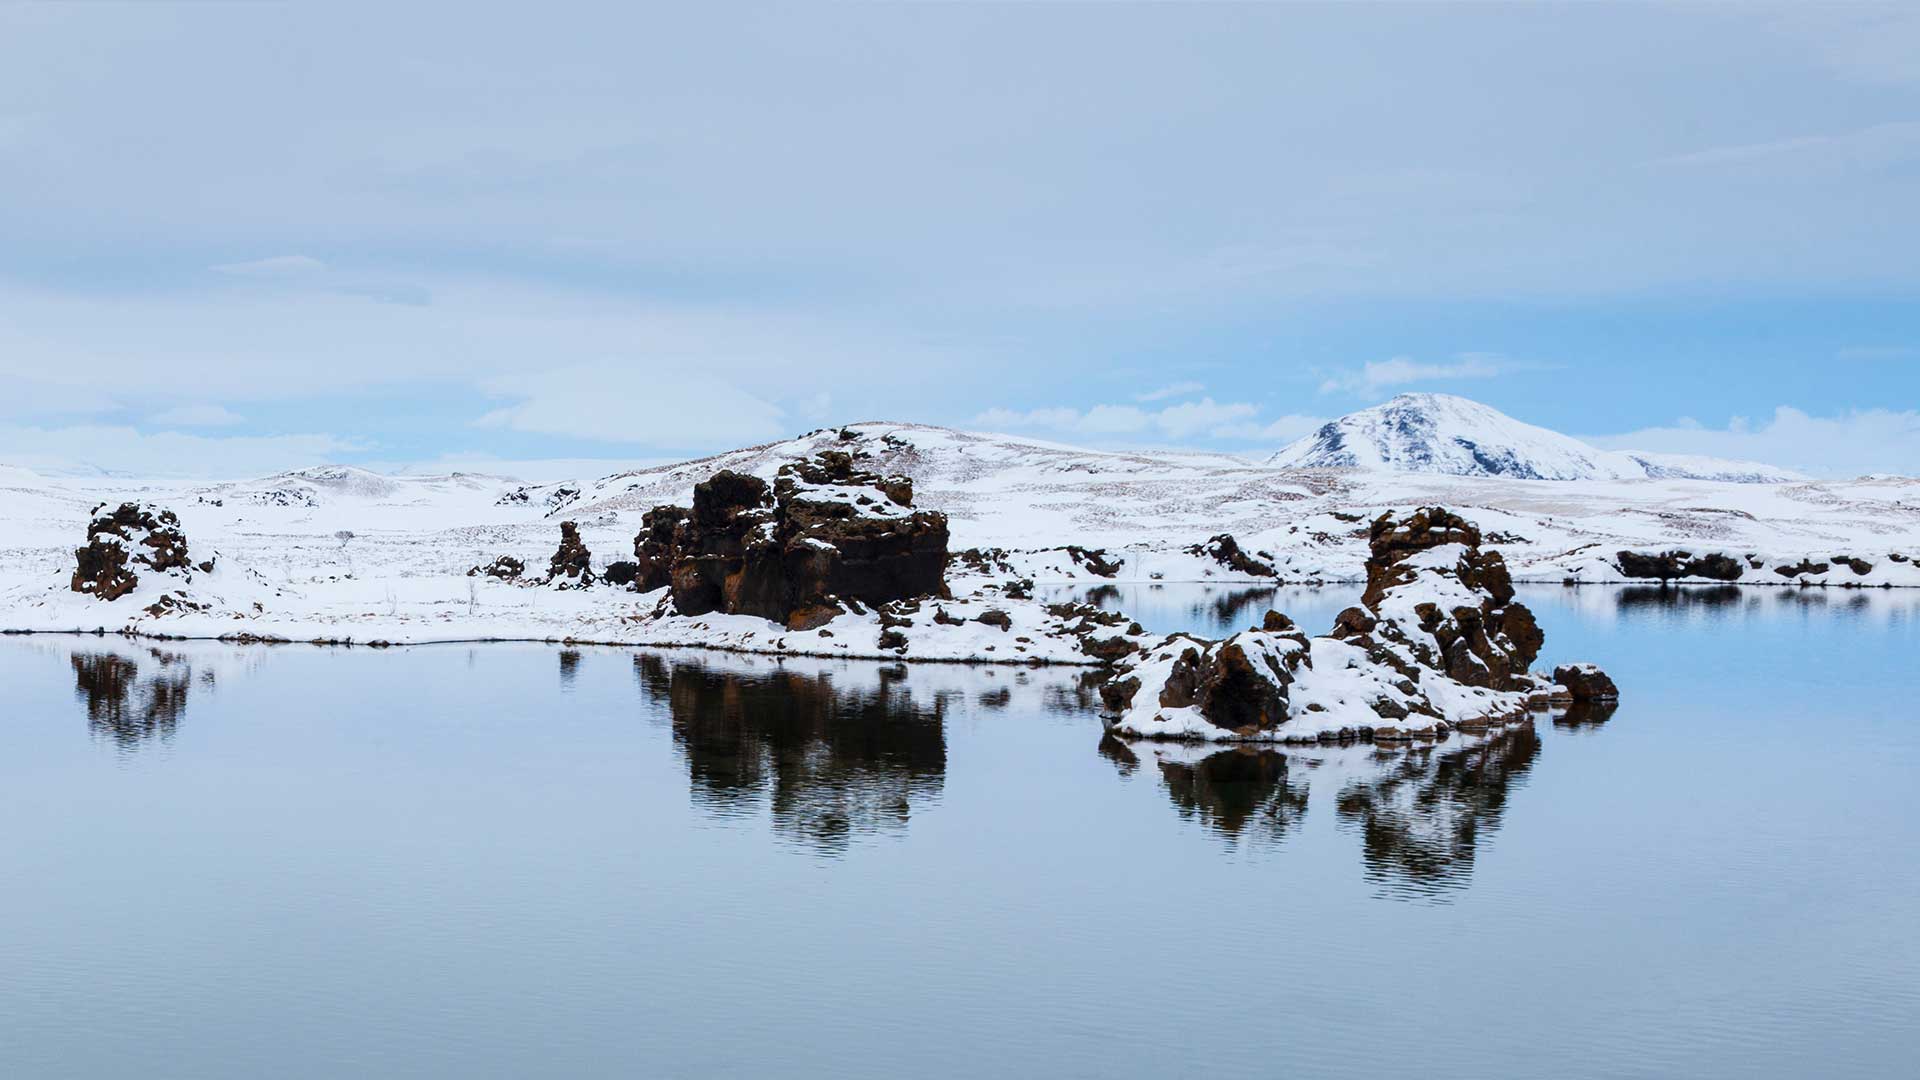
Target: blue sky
(241, 238)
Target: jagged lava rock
(504, 568)
(826, 533)
(572, 564)
(1226, 551)
(1432, 590)
(132, 535)
(653, 548)
(871, 550)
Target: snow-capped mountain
(1440, 433)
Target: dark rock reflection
(1420, 812)
(1232, 607)
(1422, 817)
(1631, 597)
(1241, 791)
(1585, 715)
(132, 701)
(833, 763)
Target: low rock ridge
(1438, 643)
(1841, 568)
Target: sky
(239, 238)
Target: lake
(519, 860)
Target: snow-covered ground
(340, 553)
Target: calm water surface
(509, 861)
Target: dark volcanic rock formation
(119, 542)
(1226, 551)
(1678, 564)
(1431, 589)
(1586, 682)
(572, 564)
(1094, 560)
(653, 547)
(506, 568)
(827, 533)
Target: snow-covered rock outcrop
(829, 535)
(127, 540)
(1438, 643)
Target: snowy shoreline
(342, 555)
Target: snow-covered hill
(1696, 467)
(345, 552)
(1440, 433)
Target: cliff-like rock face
(1438, 642)
(123, 541)
(827, 533)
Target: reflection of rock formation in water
(1422, 817)
(835, 762)
(1242, 791)
(1653, 596)
(569, 667)
(1585, 715)
(125, 707)
(1233, 607)
(1076, 695)
(1420, 812)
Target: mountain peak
(1442, 433)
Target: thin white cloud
(116, 449)
(1378, 375)
(1877, 352)
(207, 415)
(998, 418)
(276, 266)
(632, 403)
(1205, 418)
(1190, 418)
(63, 353)
(1179, 389)
(41, 391)
(1870, 43)
(1849, 444)
(1876, 144)
(1282, 429)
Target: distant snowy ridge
(332, 484)
(1726, 471)
(1452, 436)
